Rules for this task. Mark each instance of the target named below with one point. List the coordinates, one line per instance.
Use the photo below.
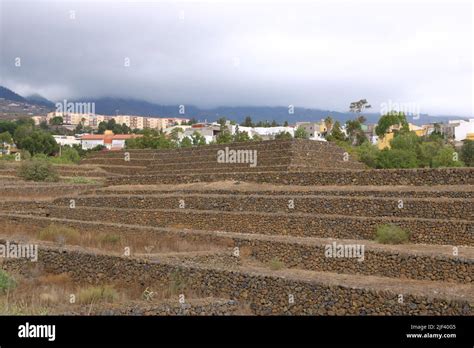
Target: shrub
(69, 155)
(391, 234)
(467, 153)
(59, 234)
(446, 158)
(300, 133)
(38, 170)
(24, 155)
(393, 158)
(407, 141)
(41, 156)
(38, 142)
(94, 294)
(283, 136)
(7, 282)
(427, 151)
(367, 153)
(275, 264)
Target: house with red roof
(110, 140)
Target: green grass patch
(7, 282)
(275, 264)
(81, 180)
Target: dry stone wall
(381, 177)
(430, 231)
(428, 263)
(268, 294)
(406, 207)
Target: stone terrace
(255, 241)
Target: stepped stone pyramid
(271, 156)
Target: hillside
(38, 105)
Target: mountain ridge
(130, 106)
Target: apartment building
(93, 120)
(464, 129)
(315, 130)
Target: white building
(265, 132)
(462, 128)
(67, 140)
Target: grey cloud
(322, 54)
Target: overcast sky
(321, 54)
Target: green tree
(426, 151)
(393, 118)
(192, 121)
(21, 133)
(408, 141)
(300, 133)
(222, 121)
(5, 139)
(283, 136)
(186, 142)
(359, 106)
(56, 121)
(175, 133)
(247, 122)
(395, 158)
(328, 121)
(467, 153)
(446, 157)
(336, 133)
(368, 154)
(257, 137)
(44, 125)
(151, 139)
(224, 136)
(354, 131)
(40, 142)
(198, 139)
(102, 127)
(8, 126)
(241, 136)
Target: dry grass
(59, 234)
(275, 264)
(49, 294)
(141, 243)
(95, 294)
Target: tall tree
(300, 133)
(359, 106)
(5, 139)
(247, 122)
(328, 121)
(336, 133)
(393, 118)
